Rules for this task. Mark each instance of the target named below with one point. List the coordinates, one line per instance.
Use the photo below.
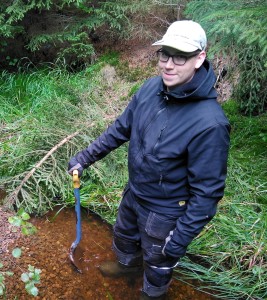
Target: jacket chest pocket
(153, 132)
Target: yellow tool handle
(76, 179)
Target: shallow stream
(48, 250)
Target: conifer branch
(13, 196)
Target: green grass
(41, 108)
(248, 156)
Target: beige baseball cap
(185, 35)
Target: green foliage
(21, 220)
(251, 90)
(3, 275)
(248, 144)
(12, 13)
(75, 24)
(30, 279)
(39, 110)
(16, 252)
(12, 62)
(238, 28)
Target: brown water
(49, 251)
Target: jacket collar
(199, 87)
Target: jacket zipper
(160, 179)
(146, 128)
(158, 139)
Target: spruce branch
(13, 197)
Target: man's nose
(170, 63)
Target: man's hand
(75, 165)
(79, 162)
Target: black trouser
(139, 236)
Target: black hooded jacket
(178, 148)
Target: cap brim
(181, 46)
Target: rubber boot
(145, 296)
(115, 269)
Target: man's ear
(200, 59)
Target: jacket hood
(199, 88)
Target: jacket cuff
(174, 250)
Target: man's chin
(170, 85)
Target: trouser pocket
(158, 227)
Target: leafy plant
(33, 276)
(21, 220)
(30, 279)
(2, 279)
(16, 252)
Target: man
(178, 146)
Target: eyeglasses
(178, 59)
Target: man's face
(174, 75)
